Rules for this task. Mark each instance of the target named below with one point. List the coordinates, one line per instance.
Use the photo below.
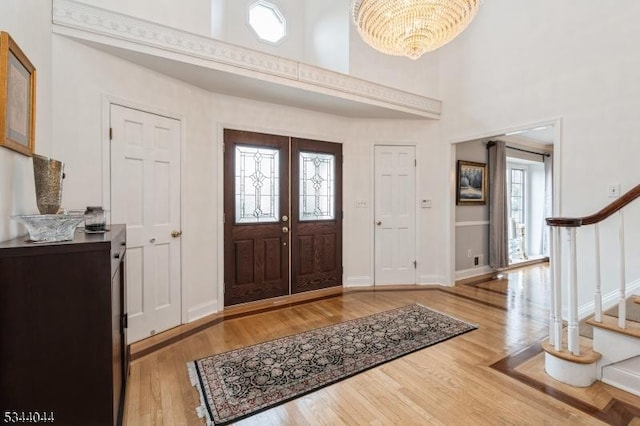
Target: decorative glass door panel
(317, 186)
(257, 177)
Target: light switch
(614, 190)
(425, 204)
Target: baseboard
(433, 280)
(362, 281)
(473, 272)
(608, 300)
(202, 310)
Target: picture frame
(471, 183)
(17, 97)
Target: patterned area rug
(242, 382)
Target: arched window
(267, 21)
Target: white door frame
(557, 177)
(107, 101)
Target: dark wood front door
(316, 219)
(256, 209)
(270, 238)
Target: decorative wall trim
(345, 83)
(112, 29)
(105, 22)
(476, 223)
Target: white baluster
(574, 342)
(553, 338)
(557, 288)
(598, 295)
(622, 303)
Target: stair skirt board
(569, 372)
(624, 375)
(614, 346)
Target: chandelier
(411, 27)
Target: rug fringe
(201, 410)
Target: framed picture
(471, 183)
(17, 97)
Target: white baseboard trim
(475, 223)
(202, 310)
(362, 281)
(608, 300)
(432, 280)
(473, 272)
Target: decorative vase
(48, 174)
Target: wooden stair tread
(611, 323)
(587, 354)
(636, 299)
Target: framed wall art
(471, 185)
(17, 97)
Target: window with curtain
(516, 194)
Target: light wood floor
(493, 375)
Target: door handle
(379, 223)
(176, 234)
(152, 240)
(285, 230)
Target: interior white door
(145, 194)
(395, 215)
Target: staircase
(620, 349)
(613, 355)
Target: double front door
(283, 216)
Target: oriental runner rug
(242, 382)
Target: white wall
(327, 34)
(29, 24)
(528, 62)
(84, 76)
(420, 76)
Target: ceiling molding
(233, 70)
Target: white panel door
(395, 215)
(145, 194)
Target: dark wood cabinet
(63, 328)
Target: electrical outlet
(476, 261)
(469, 253)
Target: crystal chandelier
(411, 27)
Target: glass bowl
(48, 228)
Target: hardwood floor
(493, 375)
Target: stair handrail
(571, 224)
(615, 206)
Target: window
(257, 184)
(267, 21)
(317, 186)
(516, 195)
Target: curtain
(548, 204)
(498, 212)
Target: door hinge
(415, 264)
(125, 321)
(110, 133)
(415, 163)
